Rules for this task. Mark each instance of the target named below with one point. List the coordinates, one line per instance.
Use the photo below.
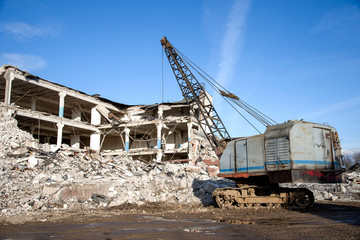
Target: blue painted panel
(279, 162)
(127, 146)
(321, 162)
(250, 168)
(227, 170)
(61, 111)
(245, 169)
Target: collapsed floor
(56, 114)
(36, 179)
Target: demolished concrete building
(58, 115)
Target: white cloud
(353, 102)
(233, 40)
(230, 52)
(23, 61)
(350, 151)
(21, 30)
(344, 21)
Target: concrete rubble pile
(349, 190)
(37, 178)
(202, 146)
(12, 139)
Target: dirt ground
(326, 220)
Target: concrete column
(60, 126)
(127, 139)
(33, 103)
(95, 137)
(159, 154)
(160, 111)
(95, 116)
(189, 126)
(190, 153)
(61, 103)
(76, 113)
(9, 77)
(75, 141)
(159, 126)
(95, 141)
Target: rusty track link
(263, 197)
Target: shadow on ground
(203, 189)
(338, 212)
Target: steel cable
(258, 115)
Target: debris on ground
(349, 190)
(39, 177)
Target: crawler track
(263, 197)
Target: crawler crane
(292, 152)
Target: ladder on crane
(337, 147)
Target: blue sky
(289, 59)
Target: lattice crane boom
(195, 95)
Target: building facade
(58, 115)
